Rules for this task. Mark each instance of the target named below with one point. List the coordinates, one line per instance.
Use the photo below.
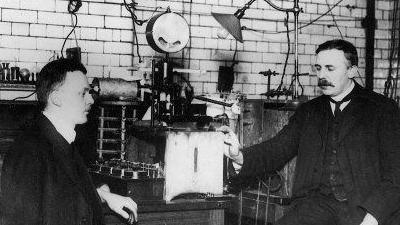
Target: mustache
(324, 83)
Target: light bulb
(222, 33)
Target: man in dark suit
(44, 179)
(347, 144)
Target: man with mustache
(44, 179)
(347, 144)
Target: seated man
(347, 144)
(44, 179)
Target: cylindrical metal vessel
(115, 88)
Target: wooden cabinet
(261, 121)
(14, 117)
(180, 212)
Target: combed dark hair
(350, 51)
(53, 75)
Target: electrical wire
(54, 56)
(74, 6)
(147, 8)
(258, 199)
(235, 53)
(287, 53)
(265, 202)
(334, 19)
(390, 88)
(23, 97)
(398, 61)
(76, 39)
(319, 17)
(131, 7)
(301, 27)
(136, 42)
(150, 9)
(183, 52)
(189, 48)
(73, 28)
(395, 44)
(296, 78)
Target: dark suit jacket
(44, 181)
(369, 141)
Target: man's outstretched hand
(232, 149)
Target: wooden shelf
(17, 87)
(18, 102)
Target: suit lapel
(353, 112)
(323, 119)
(352, 116)
(69, 161)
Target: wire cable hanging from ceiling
(287, 53)
(334, 19)
(390, 89)
(131, 8)
(300, 27)
(73, 7)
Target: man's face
(74, 100)
(333, 71)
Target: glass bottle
(6, 72)
(1, 73)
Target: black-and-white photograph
(199, 112)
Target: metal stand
(296, 10)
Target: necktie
(337, 110)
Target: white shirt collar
(341, 96)
(65, 129)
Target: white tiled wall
(33, 31)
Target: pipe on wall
(369, 23)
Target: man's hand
(117, 202)
(232, 145)
(369, 220)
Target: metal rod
(280, 8)
(257, 201)
(213, 101)
(101, 133)
(240, 207)
(296, 10)
(267, 204)
(296, 43)
(178, 70)
(123, 131)
(153, 92)
(240, 12)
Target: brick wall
(32, 32)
